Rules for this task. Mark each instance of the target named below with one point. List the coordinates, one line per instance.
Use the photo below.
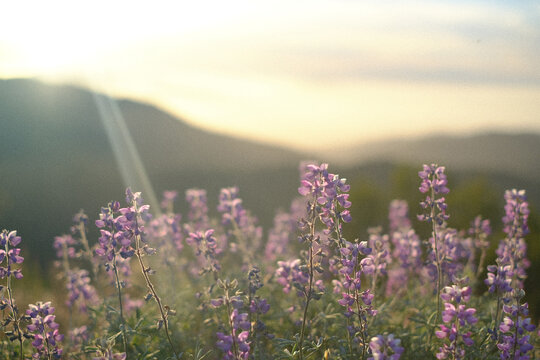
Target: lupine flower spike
(9, 257)
(434, 184)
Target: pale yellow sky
(299, 73)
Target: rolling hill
(56, 157)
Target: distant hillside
(494, 152)
(55, 158)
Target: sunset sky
(304, 74)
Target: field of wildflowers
(160, 285)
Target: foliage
(164, 285)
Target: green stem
(151, 288)
(87, 251)
(437, 259)
(119, 291)
(235, 347)
(47, 345)
(13, 308)
(308, 299)
(516, 322)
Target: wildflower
(514, 344)
(480, 229)
(289, 274)
(10, 253)
(279, 235)
(241, 227)
(168, 199)
(330, 194)
(80, 291)
(198, 210)
(458, 317)
(45, 331)
(206, 246)
(513, 250)
(385, 347)
(398, 215)
(433, 181)
(65, 243)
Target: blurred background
(209, 94)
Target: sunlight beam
(125, 152)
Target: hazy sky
(301, 73)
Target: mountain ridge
(490, 151)
(56, 157)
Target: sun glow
(279, 71)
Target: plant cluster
(201, 286)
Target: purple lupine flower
(407, 248)
(499, 278)
(237, 341)
(119, 226)
(65, 243)
(407, 253)
(279, 236)
(167, 202)
(385, 347)
(112, 225)
(45, 331)
(9, 252)
(166, 230)
(206, 247)
(289, 274)
(434, 183)
(510, 272)
(241, 226)
(516, 213)
(225, 344)
(79, 336)
(355, 262)
(330, 194)
(480, 230)
(80, 291)
(198, 210)
(79, 218)
(451, 253)
(380, 254)
(398, 215)
(231, 207)
(513, 250)
(259, 306)
(514, 343)
(458, 317)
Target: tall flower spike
(135, 214)
(514, 343)
(513, 249)
(398, 215)
(330, 194)
(480, 230)
(10, 254)
(45, 331)
(458, 319)
(434, 183)
(198, 210)
(241, 226)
